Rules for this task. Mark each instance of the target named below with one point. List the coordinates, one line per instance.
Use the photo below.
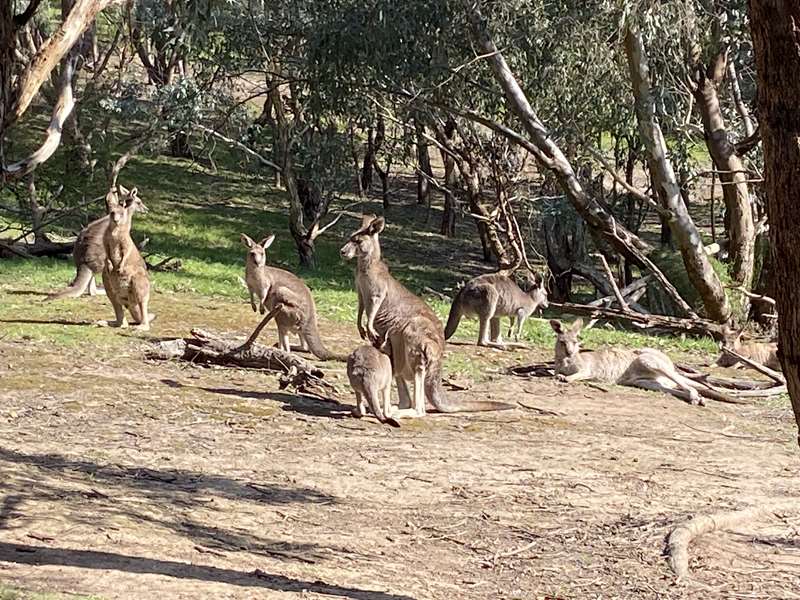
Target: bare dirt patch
(124, 478)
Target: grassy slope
(197, 216)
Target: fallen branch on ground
(683, 535)
(774, 375)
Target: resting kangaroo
(89, 253)
(287, 299)
(370, 373)
(644, 368)
(125, 273)
(490, 297)
(411, 328)
(764, 353)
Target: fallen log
(645, 321)
(683, 535)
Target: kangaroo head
(568, 343)
(117, 211)
(131, 199)
(730, 339)
(364, 243)
(257, 252)
(539, 295)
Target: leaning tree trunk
(775, 27)
(687, 237)
(735, 194)
(425, 173)
(448, 228)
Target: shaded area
(89, 559)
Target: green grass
(196, 217)
(13, 593)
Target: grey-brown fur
(89, 253)
(644, 368)
(286, 297)
(490, 297)
(413, 331)
(125, 275)
(764, 353)
(370, 374)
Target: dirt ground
(124, 478)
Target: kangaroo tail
(318, 349)
(454, 317)
(435, 393)
(77, 287)
(709, 392)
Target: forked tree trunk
(687, 237)
(739, 213)
(738, 101)
(775, 27)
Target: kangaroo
(765, 353)
(287, 299)
(125, 273)
(370, 373)
(490, 297)
(89, 252)
(410, 327)
(644, 368)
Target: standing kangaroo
(125, 273)
(765, 353)
(287, 299)
(411, 328)
(490, 297)
(370, 374)
(89, 252)
(644, 368)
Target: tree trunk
(448, 228)
(687, 237)
(739, 213)
(775, 27)
(369, 158)
(738, 102)
(490, 237)
(423, 164)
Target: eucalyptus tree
(775, 25)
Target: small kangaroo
(765, 353)
(125, 275)
(286, 297)
(89, 252)
(410, 327)
(644, 368)
(490, 297)
(370, 373)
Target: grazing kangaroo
(764, 353)
(490, 297)
(370, 373)
(89, 252)
(644, 368)
(410, 327)
(287, 299)
(125, 273)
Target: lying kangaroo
(411, 328)
(490, 297)
(765, 353)
(370, 373)
(125, 273)
(89, 252)
(644, 368)
(287, 299)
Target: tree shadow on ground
(90, 559)
(307, 405)
(48, 322)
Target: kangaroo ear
(112, 200)
(246, 240)
(134, 193)
(366, 219)
(557, 326)
(267, 241)
(577, 325)
(376, 226)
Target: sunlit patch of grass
(13, 593)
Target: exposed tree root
(683, 535)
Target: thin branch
(241, 146)
(613, 282)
